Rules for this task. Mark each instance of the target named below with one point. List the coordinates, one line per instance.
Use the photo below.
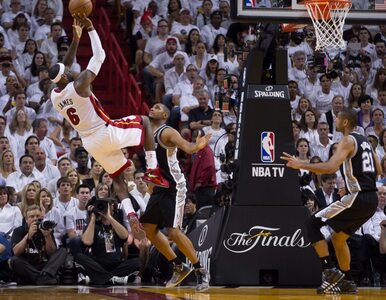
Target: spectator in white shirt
(31, 74)
(10, 216)
(38, 14)
(210, 31)
(298, 71)
(45, 199)
(26, 175)
(56, 5)
(27, 196)
(322, 147)
(25, 58)
(46, 143)
(76, 219)
(204, 12)
(157, 44)
(215, 129)
(160, 64)
(64, 164)
(310, 84)
(366, 73)
(309, 122)
(379, 83)
(47, 170)
(77, 216)
(33, 89)
(8, 69)
(183, 87)
(43, 31)
(65, 202)
(20, 104)
(8, 17)
(176, 74)
(140, 191)
(380, 51)
(50, 45)
(182, 28)
(322, 99)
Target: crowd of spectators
(189, 56)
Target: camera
(5, 58)
(101, 205)
(319, 62)
(297, 37)
(6, 65)
(46, 225)
(228, 168)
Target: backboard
(366, 12)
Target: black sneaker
(330, 278)
(180, 272)
(46, 279)
(203, 279)
(344, 287)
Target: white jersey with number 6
(81, 112)
(102, 137)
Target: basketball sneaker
(116, 280)
(83, 279)
(154, 177)
(344, 287)
(180, 272)
(329, 279)
(203, 279)
(136, 227)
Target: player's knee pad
(313, 229)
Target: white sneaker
(137, 280)
(115, 280)
(83, 279)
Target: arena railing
(124, 89)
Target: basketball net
(328, 18)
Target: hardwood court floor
(155, 293)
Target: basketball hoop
(328, 18)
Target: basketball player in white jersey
(102, 137)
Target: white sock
(151, 159)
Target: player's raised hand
(292, 161)
(82, 18)
(77, 28)
(202, 141)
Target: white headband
(60, 73)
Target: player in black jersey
(360, 167)
(166, 206)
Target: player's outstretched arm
(86, 77)
(345, 148)
(172, 138)
(77, 28)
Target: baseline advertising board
(266, 245)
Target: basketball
(80, 6)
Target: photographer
(7, 68)
(36, 258)
(220, 153)
(105, 236)
(8, 91)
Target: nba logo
(267, 146)
(250, 3)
